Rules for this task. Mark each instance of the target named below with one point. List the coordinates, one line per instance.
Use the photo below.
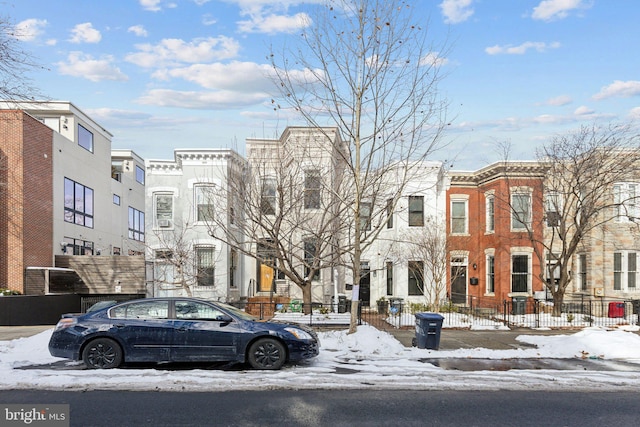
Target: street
(339, 408)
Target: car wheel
(267, 353)
(102, 353)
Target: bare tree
(425, 252)
(284, 210)
(369, 68)
(15, 63)
(579, 196)
(178, 264)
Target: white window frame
(200, 192)
(528, 252)
(465, 201)
(517, 224)
(625, 195)
(490, 212)
(624, 272)
(158, 222)
(490, 254)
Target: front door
(459, 284)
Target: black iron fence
(477, 314)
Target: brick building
(489, 215)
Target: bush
(4, 292)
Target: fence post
(504, 311)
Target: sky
(367, 359)
(167, 74)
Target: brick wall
(25, 196)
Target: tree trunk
(306, 297)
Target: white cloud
(583, 110)
(30, 29)
(433, 59)
(82, 65)
(151, 5)
(236, 76)
(634, 114)
(200, 100)
(559, 101)
(138, 30)
(175, 51)
(85, 33)
(549, 10)
(208, 19)
(619, 89)
(456, 11)
(272, 24)
(521, 49)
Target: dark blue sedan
(179, 330)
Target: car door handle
(183, 329)
(119, 325)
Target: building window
(491, 274)
(116, 199)
(268, 202)
(312, 189)
(78, 203)
(416, 278)
(204, 202)
(233, 265)
(553, 209)
(205, 265)
(365, 216)
(625, 270)
(163, 203)
(311, 259)
(520, 211)
(389, 278)
(116, 170)
(139, 175)
(136, 224)
(164, 270)
(624, 199)
(390, 213)
(490, 212)
(416, 211)
(520, 273)
(459, 216)
(583, 272)
(85, 138)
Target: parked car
(178, 330)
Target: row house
(61, 197)
(190, 219)
(490, 213)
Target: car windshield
(237, 312)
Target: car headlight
(299, 333)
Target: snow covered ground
(369, 359)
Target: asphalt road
(339, 408)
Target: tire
(102, 353)
(267, 353)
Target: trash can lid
(429, 316)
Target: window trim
(622, 274)
(526, 224)
(417, 277)
(87, 146)
(490, 213)
(465, 202)
(73, 214)
(418, 213)
(528, 273)
(136, 224)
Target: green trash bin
(428, 328)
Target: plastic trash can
(518, 305)
(616, 309)
(428, 328)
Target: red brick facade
(26, 196)
(472, 249)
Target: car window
(197, 311)
(142, 310)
